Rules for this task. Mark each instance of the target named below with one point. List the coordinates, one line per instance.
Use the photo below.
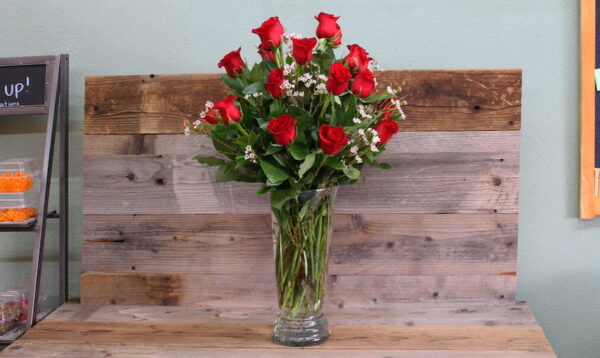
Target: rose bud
(357, 59)
(303, 50)
(332, 139)
(386, 129)
(338, 79)
(224, 109)
(328, 26)
(232, 62)
(363, 83)
(266, 54)
(211, 116)
(273, 85)
(388, 108)
(270, 33)
(283, 129)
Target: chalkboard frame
(49, 62)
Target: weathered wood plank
(255, 336)
(422, 183)
(368, 244)
(215, 290)
(403, 142)
(49, 350)
(414, 314)
(438, 100)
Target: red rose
(283, 129)
(225, 109)
(303, 50)
(386, 129)
(357, 59)
(339, 78)
(273, 85)
(332, 139)
(328, 26)
(232, 62)
(211, 116)
(337, 39)
(266, 54)
(363, 83)
(270, 33)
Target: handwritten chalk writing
(16, 88)
(22, 85)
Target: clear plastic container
(11, 310)
(18, 190)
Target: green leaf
(352, 172)
(274, 173)
(272, 149)
(256, 74)
(334, 163)
(308, 162)
(253, 88)
(233, 83)
(210, 161)
(298, 150)
(226, 173)
(280, 197)
(263, 190)
(375, 98)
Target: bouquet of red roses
(299, 120)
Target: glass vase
(301, 237)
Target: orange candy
(17, 182)
(17, 214)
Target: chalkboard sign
(24, 84)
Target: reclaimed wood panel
(469, 330)
(367, 244)
(255, 336)
(49, 350)
(217, 290)
(438, 100)
(403, 142)
(414, 314)
(422, 183)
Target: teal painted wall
(559, 267)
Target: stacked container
(19, 197)
(12, 309)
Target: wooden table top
(424, 330)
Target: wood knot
(497, 181)
(476, 107)
(390, 245)
(130, 176)
(96, 107)
(160, 181)
(435, 295)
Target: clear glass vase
(301, 236)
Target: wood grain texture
(414, 314)
(470, 329)
(588, 199)
(403, 142)
(438, 100)
(470, 183)
(49, 350)
(255, 336)
(367, 244)
(218, 290)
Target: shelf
(27, 225)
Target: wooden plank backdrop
(440, 227)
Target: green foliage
(250, 153)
